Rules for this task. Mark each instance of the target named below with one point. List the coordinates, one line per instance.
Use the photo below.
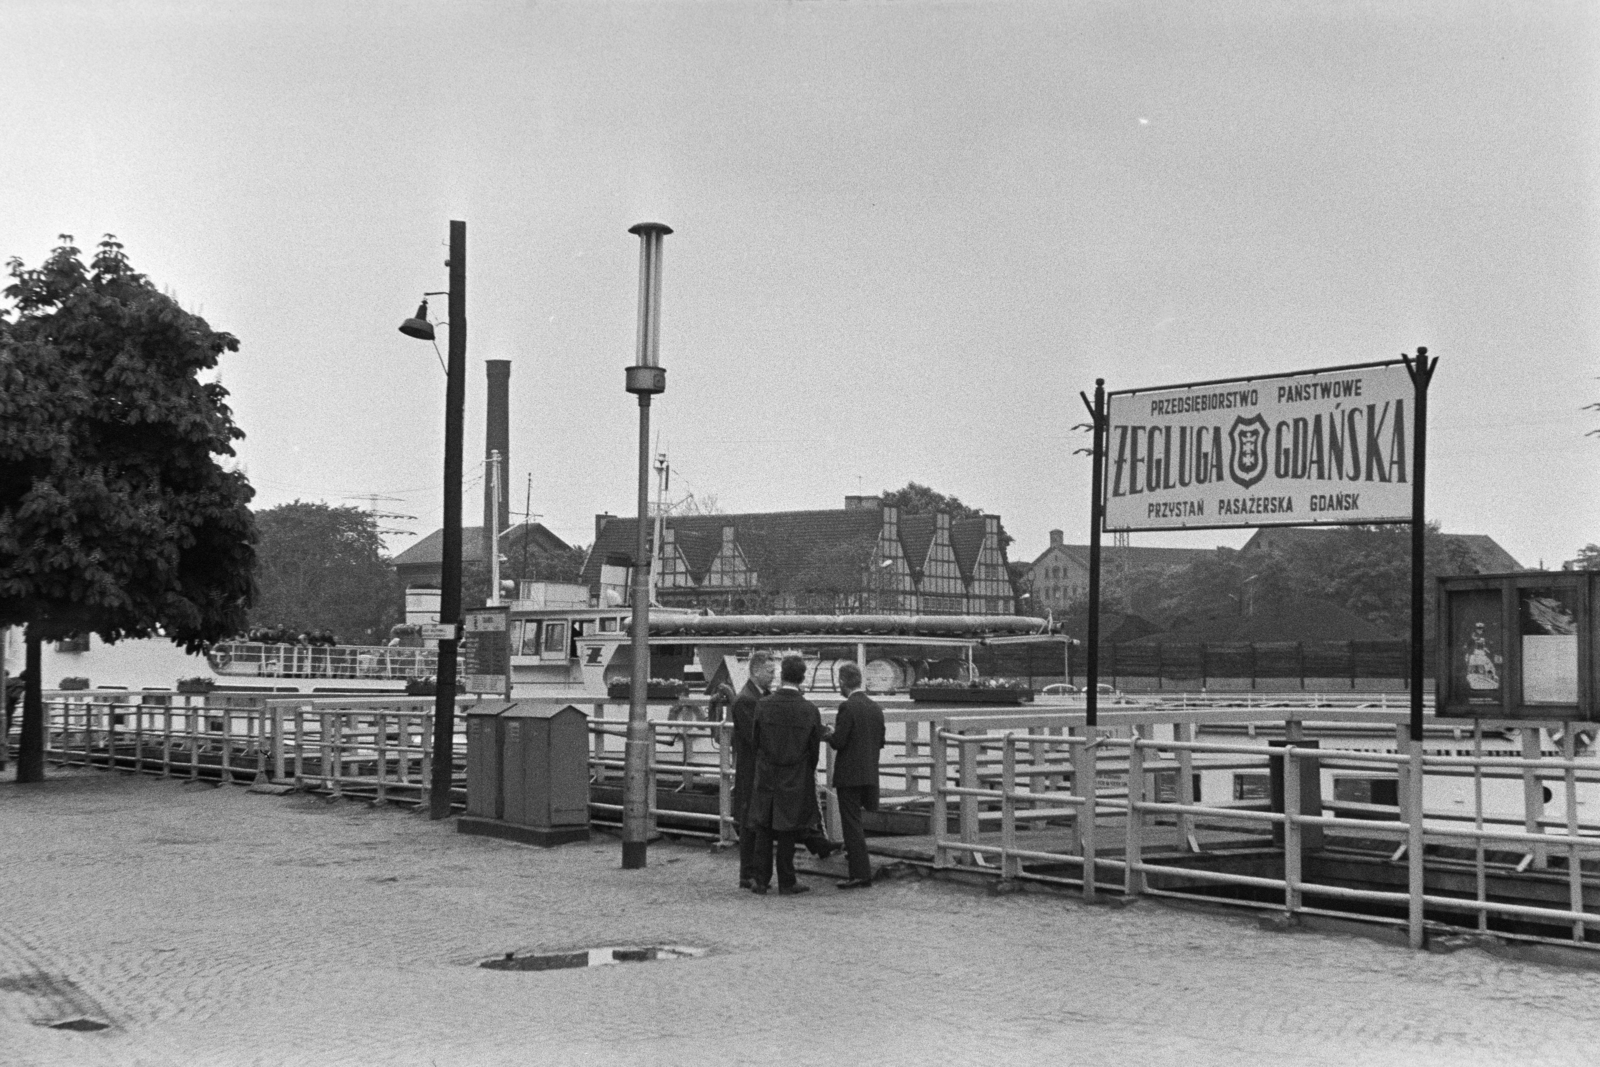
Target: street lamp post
(455, 392)
(644, 379)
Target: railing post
(383, 754)
(1083, 787)
(1415, 874)
(725, 825)
(911, 728)
(333, 752)
(426, 793)
(138, 735)
(968, 756)
(1293, 857)
(166, 739)
(1038, 753)
(1569, 777)
(1533, 795)
(1010, 867)
(598, 738)
(938, 784)
(1133, 880)
(277, 742)
(192, 722)
(1184, 732)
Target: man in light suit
(763, 669)
(857, 736)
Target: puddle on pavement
(593, 957)
(81, 1025)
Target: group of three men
(777, 739)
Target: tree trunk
(30, 751)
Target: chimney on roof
(1056, 538)
(859, 503)
(497, 438)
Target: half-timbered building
(864, 558)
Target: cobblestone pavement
(215, 926)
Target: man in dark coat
(763, 669)
(856, 737)
(788, 736)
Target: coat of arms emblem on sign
(1247, 462)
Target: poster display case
(1518, 646)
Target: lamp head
(418, 326)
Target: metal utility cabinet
(534, 759)
(485, 742)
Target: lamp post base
(633, 855)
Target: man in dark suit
(857, 736)
(788, 735)
(763, 669)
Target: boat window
(530, 639)
(1249, 786)
(555, 638)
(609, 625)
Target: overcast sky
(907, 234)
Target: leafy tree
(324, 568)
(116, 516)
(1367, 570)
(918, 499)
(1588, 558)
(1363, 569)
(837, 578)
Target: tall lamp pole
(455, 397)
(644, 379)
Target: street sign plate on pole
(486, 651)
(440, 631)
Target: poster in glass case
(1477, 647)
(1549, 631)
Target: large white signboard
(1318, 447)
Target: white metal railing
(254, 659)
(172, 734)
(998, 782)
(995, 773)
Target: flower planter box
(933, 694)
(624, 691)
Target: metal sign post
(1421, 372)
(1097, 515)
